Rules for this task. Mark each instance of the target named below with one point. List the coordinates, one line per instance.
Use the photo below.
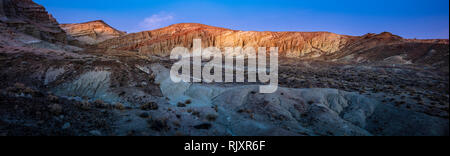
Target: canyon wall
(305, 45)
(30, 18)
(293, 44)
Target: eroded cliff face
(30, 18)
(294, 44)
(92, 32)
(304, 45)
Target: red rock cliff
(162, 41)
(319, 45)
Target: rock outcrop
(92, 32)
(305, 45)
(162, 41)
(27, 17)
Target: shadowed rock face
(30, 18)
(323, 45)
(92, 32)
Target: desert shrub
(180, 104)
(55, 109)
(244, 111)
(144, 115)
(19, 85)
(203, 126)
(52, 98)
(158, 124)
(85, 105)
(28, 90)
(211, 117)
(196, 113)
(119, 106)
(150, 106)
(100, 104)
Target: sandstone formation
(30, 18)
(162, 41)
(327, 46)
(323, 45)
(92, 32)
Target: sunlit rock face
(30, 18)
(304, 45)
(92, 32)
(162, 41)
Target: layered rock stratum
(305, 45)
(92, 32)
(30, 18)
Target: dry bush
(211, 117)
(85, 105)
(150, 106)
(158, 124)
(180, 104)
(119, 106)
(55, 109)
(100, 104)
(52, 98)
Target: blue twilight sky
(407, 18)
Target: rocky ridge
(92, 32)
(305, 45)
(30, 18)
